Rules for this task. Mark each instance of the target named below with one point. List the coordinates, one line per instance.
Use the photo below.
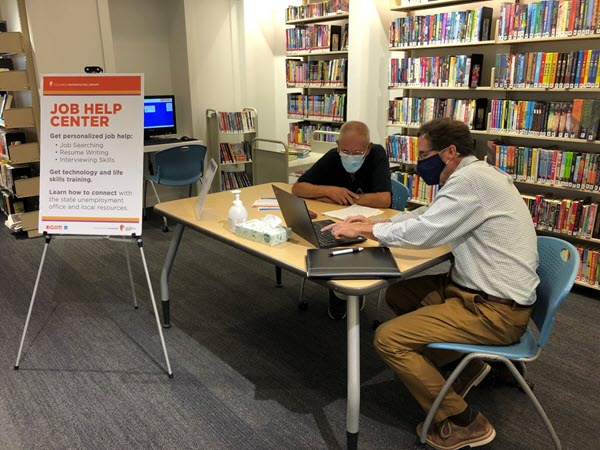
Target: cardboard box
(14, 80)
(18, 118)
(24, 153)
(29, 220)
(11, 42)
(27, 187)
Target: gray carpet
(251, 370)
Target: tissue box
(259, 231)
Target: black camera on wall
(93, 69)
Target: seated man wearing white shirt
(485, 299)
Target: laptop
(297, 217)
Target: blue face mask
(431, 168)
(352, 162)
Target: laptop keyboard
(325, 239)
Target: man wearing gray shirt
(485, 299)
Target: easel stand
(133, 238)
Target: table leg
(166, 270)
(353, 406)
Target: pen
(268, 208)
(346, 250)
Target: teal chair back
(180, 166)
(399, 195)
(558, 266)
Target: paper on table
(353, 210)
(270, 202)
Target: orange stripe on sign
(94, 93)
(90, 219)
(75, 84)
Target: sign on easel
(91, 156)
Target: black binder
(370, 263)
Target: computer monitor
(159, 115)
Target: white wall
(140, 33)
(213, 57)
(368, 65)
(65, 35)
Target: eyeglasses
(427, 153)
(346, 152)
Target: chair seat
(526, 348)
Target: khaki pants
(430, 309)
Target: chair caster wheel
(303, 306)
(165, 229)
(375, 324)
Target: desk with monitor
(291, 257)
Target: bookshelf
(438, 52)
(19, 127)
(316, 71)
(538, 107)
(229, 137)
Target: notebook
(297, 217)
(370, 263)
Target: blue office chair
(177, 166)
(558, 266)
(400, 196)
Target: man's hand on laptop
(342, 196)
(351, 229)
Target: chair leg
(302, 305)
(377, 320)
(442, 394)
(166, 225)
(534, 400)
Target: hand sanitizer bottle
(237, 212)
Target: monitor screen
(159, 115)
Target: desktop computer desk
(291, 257)
(158, 147)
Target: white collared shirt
(483, 218)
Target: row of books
(313, 10)
(577, 217)
(304, 38)
(413, 111)
(548, 18)
(433, 71)
(235, 152)
(300, 133)
(402, 149)
(577, 170)
(236, 122)
(11, 172)
(578, 69)
(323, 73)
(443, 28)
(418, 190)
(589, 269)
(9, 204)
(234, 180)
(577, 119)
(323, 106)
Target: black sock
(465, 418)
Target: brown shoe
(446, 435)
(471, 376)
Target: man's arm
(375, 200)
(335, 194)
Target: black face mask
(431, 168)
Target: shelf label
(91, 154)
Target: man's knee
(386, 340)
